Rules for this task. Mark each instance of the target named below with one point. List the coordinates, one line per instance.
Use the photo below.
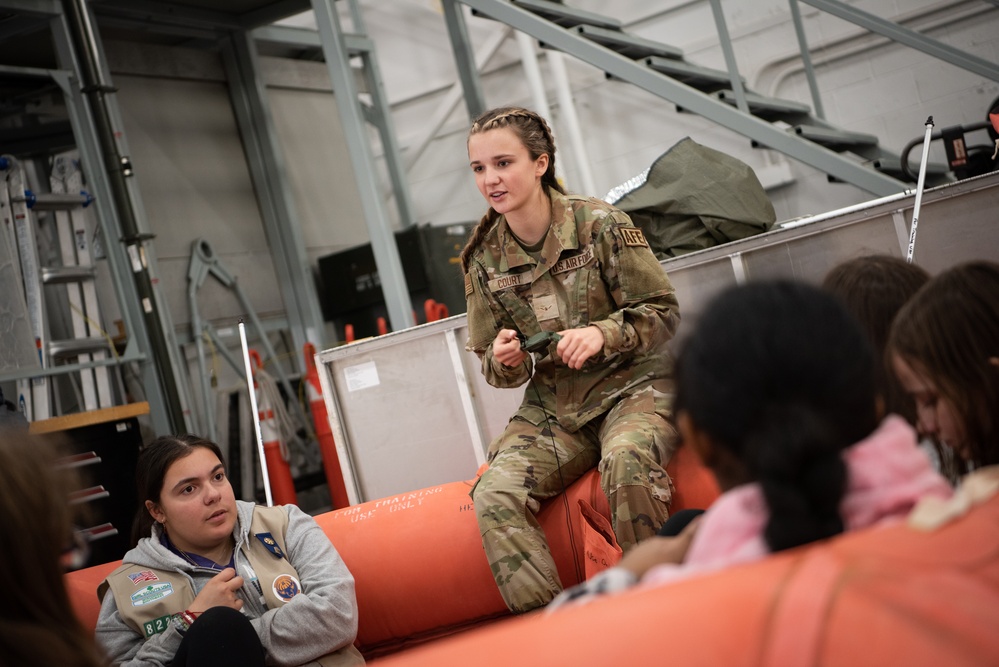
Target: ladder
(20, 208)
(718, 95)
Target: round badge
(286, 587)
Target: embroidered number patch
(633, 237)
(156, 626)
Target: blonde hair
(537, 138)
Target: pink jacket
(887, 472)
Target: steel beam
(267, 169)
(275, 11)
(806, 59)
(309, 39)
(386, 252)
(691, 99)
(148, 11)
(730, 63)
(464, 56)
(380, 116)
(139, 347)
(897, 33)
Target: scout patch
(286, 587)
(156, 626)
(268, 541)
(633, 236)
(510, 280)
(151, 593)
(468, 285)
(142, 577)
(574, 262)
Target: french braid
(536, 136)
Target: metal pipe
(729, 53)
(532, 71)
(791, 224)
(806, 60)
(118, 167)
(529, 61)
(567, 107)
(252, 391)
(197, 331)
(919, 189)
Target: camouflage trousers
(631, 443)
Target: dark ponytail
(795, 457)
(782, 379)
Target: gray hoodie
(321, 620)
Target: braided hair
(536, 136)
(780, 377)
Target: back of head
(949, 332)
(151, 468)
(536, 135)
(779, 376)
(873, 289)
(37, 625)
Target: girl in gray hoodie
(218, 581)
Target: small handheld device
(539, 342)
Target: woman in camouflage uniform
(541, 260)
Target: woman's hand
(578, 345)
(506, 348)
(220, 591)
(658, 551)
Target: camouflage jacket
(595, 269)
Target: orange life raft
(883, 596)
(417, 559)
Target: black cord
(558, 465)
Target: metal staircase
(718, 95)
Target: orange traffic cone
(282, 484)
(324, 433)
(434, 310)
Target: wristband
(184, 620)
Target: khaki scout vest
(147, 597)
